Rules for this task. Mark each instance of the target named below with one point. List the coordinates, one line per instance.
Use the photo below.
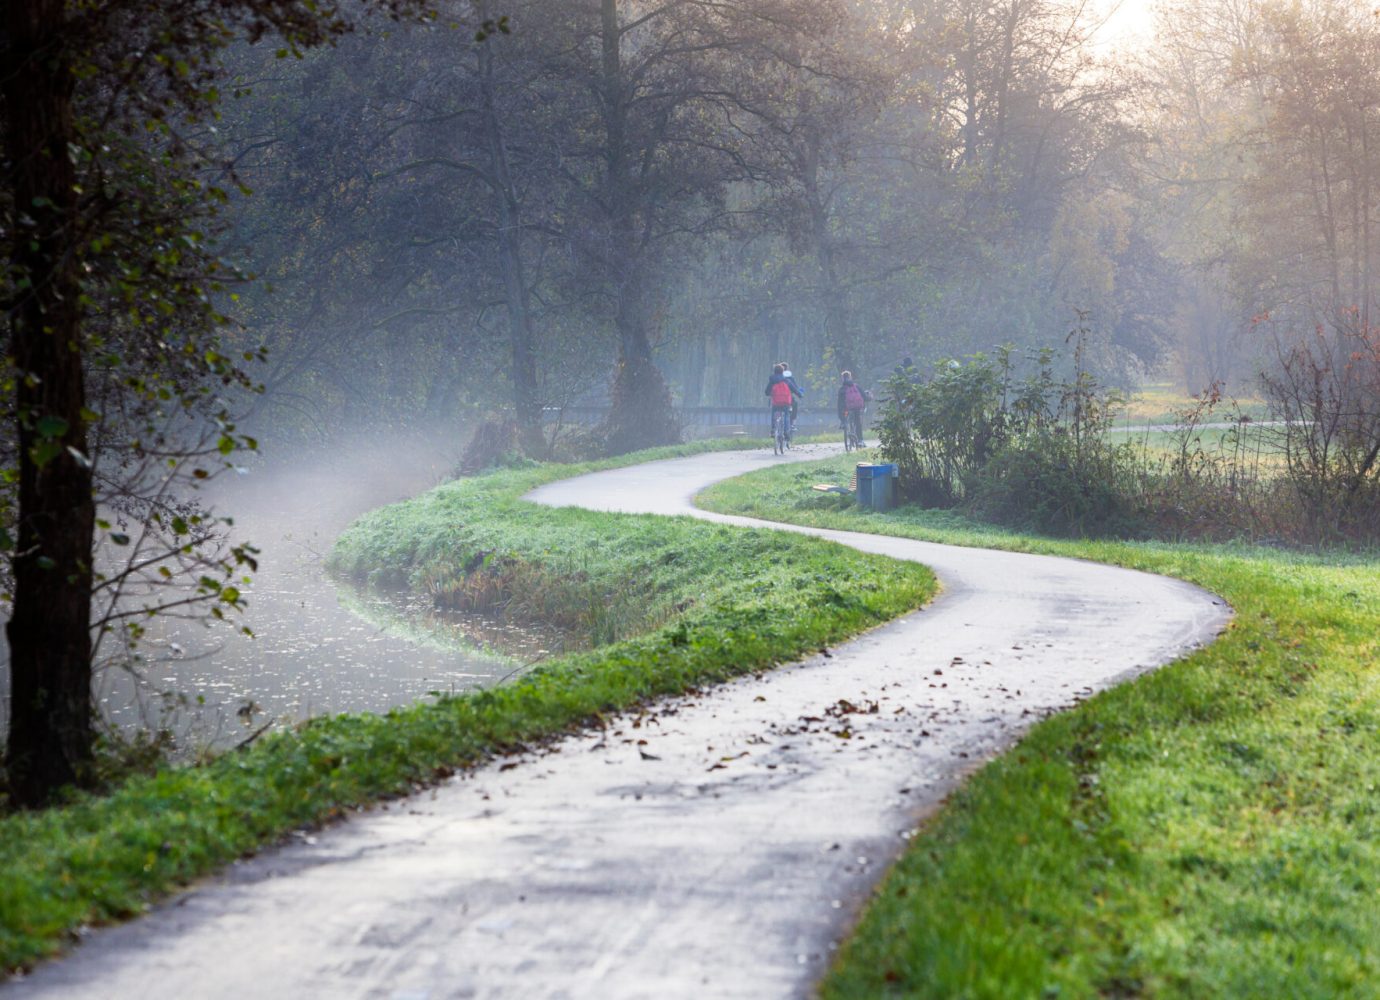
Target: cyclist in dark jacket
(851, 396)
(853, 399)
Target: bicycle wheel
(848, 443)
(855, 419)
(778, 431)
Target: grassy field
(1251, 448)
(1164, 402)
(1210, 830)
(713, 602)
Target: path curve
(726, 866)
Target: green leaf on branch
(44, 452)
(51, 427)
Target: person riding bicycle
(852, 399)
(797, 394)
(779, 389)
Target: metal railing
(696, 416)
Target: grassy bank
(1210, 830)
(707, 603)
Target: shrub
(942, 430)
(1046, 481)
(1324, 390)
(1026, 450)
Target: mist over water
(318, 648)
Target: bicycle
(852, 431)
(780, 430)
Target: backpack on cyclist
(853, 397)
(780, 393)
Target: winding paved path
(723, 857)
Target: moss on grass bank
(706, 603)
(1209, 830)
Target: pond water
(319, 647)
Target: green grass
(1163, 403)
(1252, 448)
(719, 602)
(1209, 830)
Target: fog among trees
(648, 204)
(254, 224)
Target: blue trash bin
(875, 490)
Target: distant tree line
(642, 203)
(649, 203)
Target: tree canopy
(230, 221)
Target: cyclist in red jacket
(781, 396)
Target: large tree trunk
(641, 414)
(50, 739)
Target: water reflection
(318, 648)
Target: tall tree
(819, 116)
(1200, 112)
(671, 103)
(476, 131)
(107, 269)
(50, 643)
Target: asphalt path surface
(717, 845)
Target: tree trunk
(641, 414)
(50, 739)
(837, 335)
(521, 336)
